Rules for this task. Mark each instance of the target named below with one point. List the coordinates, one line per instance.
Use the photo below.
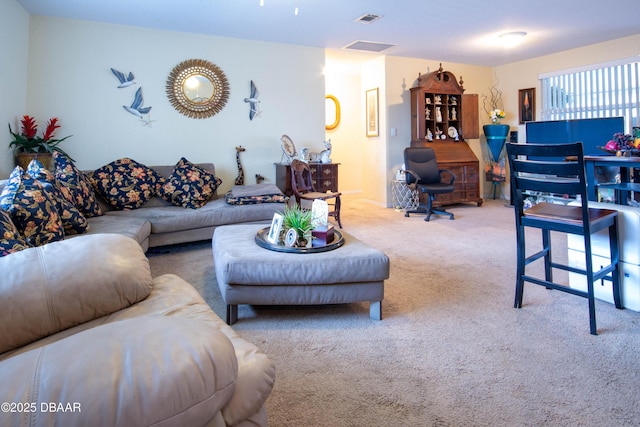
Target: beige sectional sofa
(89, 337)
(174, 224)
(85, 328)
(159, 223)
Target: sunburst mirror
(197, 88)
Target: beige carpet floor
(451, 350)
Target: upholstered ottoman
(249, 274)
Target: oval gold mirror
(197, 88)
(332, 112)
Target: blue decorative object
(72, 219)
(189, 185)
(125, 183)
(75, 185)
(253, 102)
(32, 209)
(125, 81)
(496, 136)
(136, 106)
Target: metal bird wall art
(137, 109)
(253, 102)
(125, 81)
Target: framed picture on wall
(527, 105)
(372, 112)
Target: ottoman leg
(232, 314)
(375, 310)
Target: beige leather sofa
(88, 337)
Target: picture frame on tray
(274, 230)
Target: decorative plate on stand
(452, 132)
(288, 148)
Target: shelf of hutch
(442, 116)
(323, 175)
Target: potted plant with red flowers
(28, 145)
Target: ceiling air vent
(368, 18)
(368, 46)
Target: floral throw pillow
(72, 219)
(10, 239)
(31, 208)
(125, 183)
(75, 186)
(189, 186)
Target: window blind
(611, 90)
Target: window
(602, 90)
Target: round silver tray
(261, 240)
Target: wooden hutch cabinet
(323, 175)
(442, 116)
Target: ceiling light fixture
(512, 38)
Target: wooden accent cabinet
(323, 175)
(459, 159)
(442, 116)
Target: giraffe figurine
(240, 178)
(259, 178)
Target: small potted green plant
(299, 219)
(29, 145)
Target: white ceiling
(463, 31)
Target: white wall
(65, 66)
(401, 75)
(374, 154)
(524, 74)
(14, 49)
(342, 80)
(372, 162)
(70, 78)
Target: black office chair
(559, 169)
(422, 174)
